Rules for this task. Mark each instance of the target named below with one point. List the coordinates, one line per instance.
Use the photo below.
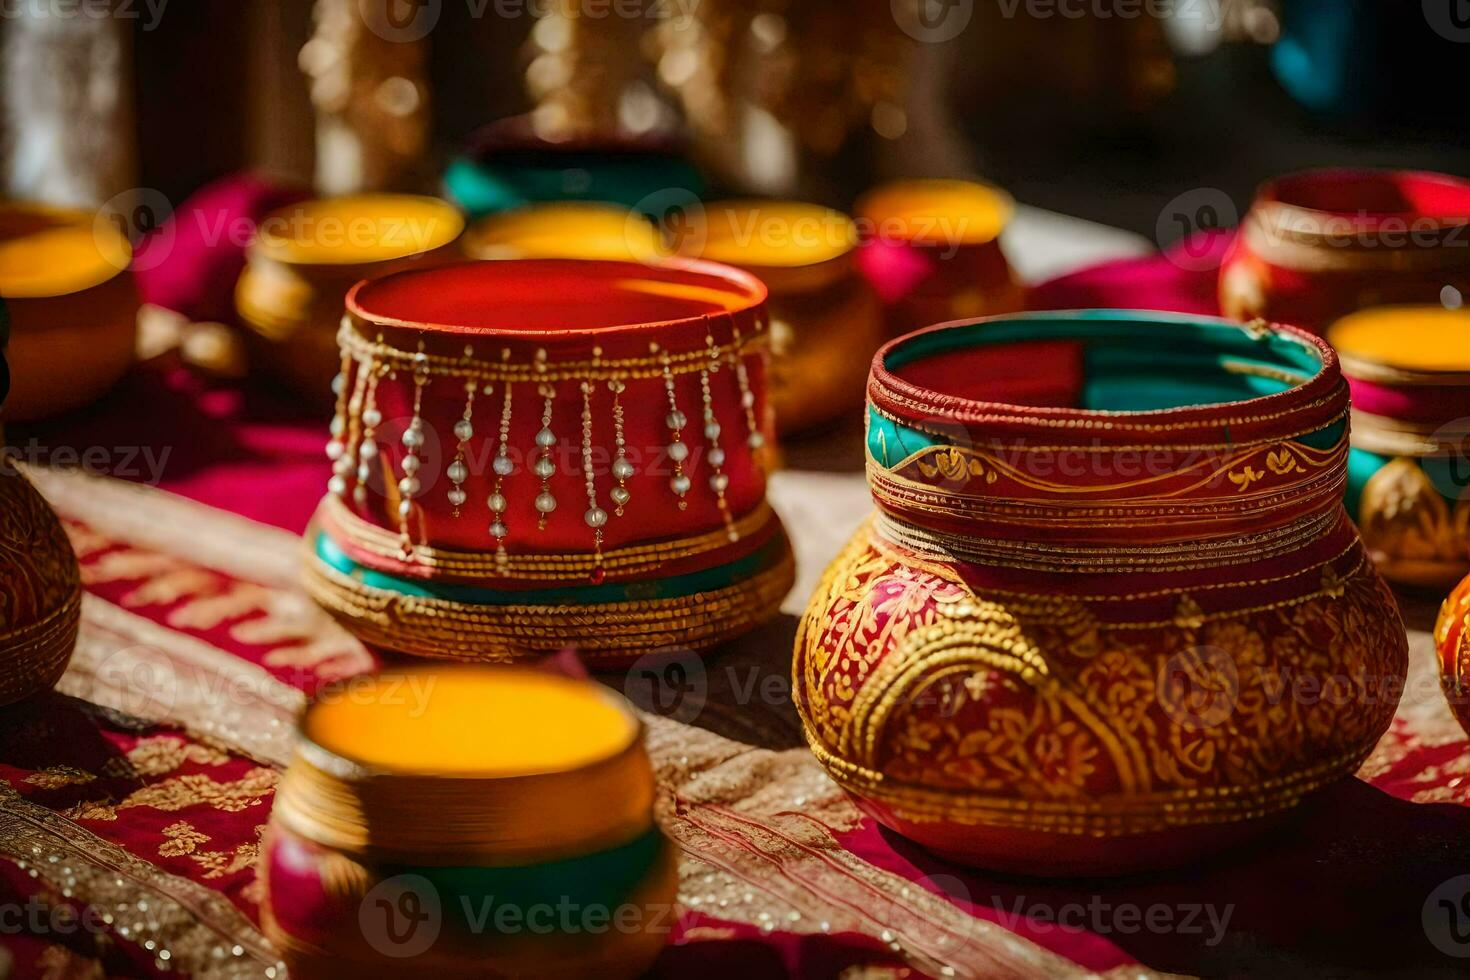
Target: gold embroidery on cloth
(758, 831)
(202, 932)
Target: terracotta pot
(531, 454)
(1110, 614)
(1321, 244)
(304, 259)
(73, 308)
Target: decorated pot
(1408, 368)
(532, 454)
(306, 256)
(932, 251)
(825, 319)
(73, 307)
(435, 821)
(40, 586)
(1110, 614)
(1321, 244)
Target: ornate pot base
(1102, 746)
(611, 624)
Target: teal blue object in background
(1327, 57)
(507, 168)
(1361, 466)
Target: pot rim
(1274, 194)
(887, 390)
(748, 293)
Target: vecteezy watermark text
(144, 464)
(150, 12)
(1101, 917)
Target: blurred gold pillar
(367, 63)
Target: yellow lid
(564, 231)
(485, 721)
(358, 229)
(55, 251)
(949, 212)
(755, 234)
(1406, 338)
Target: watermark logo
(1199, 688)
(140, 215)
(1449, 18)
(1448, 466)
(1101, 917)
(1446, 917)
(401, 21)
(1186, 223)
(401, 917)
(679, 213)
(670, 683)
(933, 21)
(142, 680)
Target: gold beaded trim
(541, 567)
(604, 633)
(505, 370)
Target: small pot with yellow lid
(472, 821)
(304, 259)
(825, 320)
(1408, 368)
(73, 307)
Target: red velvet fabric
(190, 263)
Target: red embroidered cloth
(132, 799)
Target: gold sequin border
(385, 357)
(609, 633)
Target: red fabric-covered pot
(536, 453)
(1110, 614)
(1321, 244)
